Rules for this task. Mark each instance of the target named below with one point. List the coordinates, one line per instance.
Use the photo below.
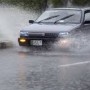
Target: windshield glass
(60, 16)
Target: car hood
(50, 28)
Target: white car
(55, 25)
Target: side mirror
(31, 21)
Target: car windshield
(60, 16)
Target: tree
(43, 4)
(81, 2)
(57, 3)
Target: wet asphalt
(25, 69)
(43, 70)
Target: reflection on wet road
(24, 69)
(27, 70)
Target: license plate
(36, 42)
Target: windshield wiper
(48, 18)
(64, 18)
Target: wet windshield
(60, 16)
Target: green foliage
(57, 3)
(39, 4)
(35, 4)
(42, 4)
(81, 2)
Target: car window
(87, 16)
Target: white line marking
(75, 64)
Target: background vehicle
(57, 25)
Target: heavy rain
(39, 68)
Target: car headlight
(63, 34)
(24, 33)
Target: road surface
(43, 70)
(23, 69)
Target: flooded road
(22, 70)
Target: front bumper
(60, 42)
(28, 41)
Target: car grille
(42, 35)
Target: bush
(42, 4)
(35, 4)
(57, 3)
(81, 2)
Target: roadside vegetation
(81, 2)
(43, 4)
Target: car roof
(83, 9)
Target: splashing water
(78, 43)
(81, 43)
(12, 20)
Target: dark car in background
(57, 25)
